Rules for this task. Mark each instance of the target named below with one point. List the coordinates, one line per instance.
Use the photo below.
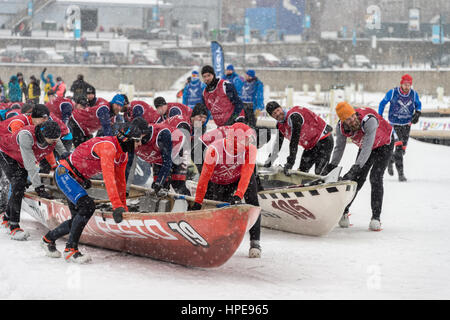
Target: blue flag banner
(218, 59)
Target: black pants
(17, 177)
(67, 144)
(78, 136)
(225, 193)
(81, 213)
(376, 164)
(176, 178)
(318, 156)
(250, 118)
(397, 157)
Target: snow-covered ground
(409, 259)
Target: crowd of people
(81, 136)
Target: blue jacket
(193, 93)
(44, 79)
(253, 92)
(14, 90)
(402, 107)
(236, 80)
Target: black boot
(391, 168)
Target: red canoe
(205, 238)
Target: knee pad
(86, 206)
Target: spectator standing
(23, 86)
(253, 97)
(3, 91)
(79, 87)
(48, 83)
(193, 91)
(234, 78)
(14, 90)
(60, 87)
(34, 91)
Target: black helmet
(49, 129)
(141, 123)
(159, 101)
(199, 108)
(90, 89)
(82, 100)
(127, 134)
(40, 111)
(271, 106)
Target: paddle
(180, 196)
(101, 183)
(331, 177)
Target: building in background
(95, 14)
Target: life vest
(56, 106)
(178, 120)
(87, 118)
(228, 166)
(312, 128)
(5, 125)
(10, 146)
(383, 135)
(175, 108)
(218, 103)
(64, 128)
(149, 113)
(84, 159)
(150, 151)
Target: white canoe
(313, 210)
(287, 205)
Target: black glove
(327, 169)
(43, 193)
(235, 200)
(45, 69)
(196, 206)
(118, 214)
(86, 184)
(415, 117)
(158, 189)
(287, 167)
(268, 162)
(353, 173)
(64, 156)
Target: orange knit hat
(344, 110)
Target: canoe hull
(205, 238)
(313, 211)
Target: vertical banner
(77, 29)
(436, 34)
(155, 14)
(414, 19)
(218, 59)
(30, 8)
(246, 31)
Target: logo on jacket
(404, 108)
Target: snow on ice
(409, 259)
